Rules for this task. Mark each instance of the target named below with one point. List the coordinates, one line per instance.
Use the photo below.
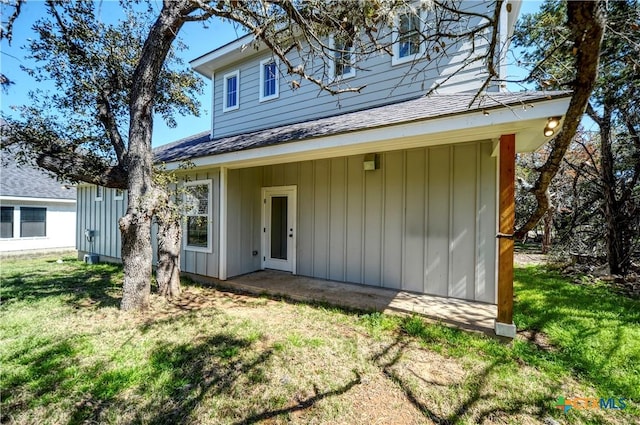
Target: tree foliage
(607, 165)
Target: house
(38, 213)
(391, 189)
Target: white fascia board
(27, 199)
(527, 124)
(204, 65)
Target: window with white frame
(269, 88)
(33, 222)
(99, 191)
(118, 195)
(6, 222)
(197, 203)
(231, 91)
(407, 34)
(343, 55)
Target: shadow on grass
(83, 285)
(476, 386)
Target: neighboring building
(393, 189)
(38, 212)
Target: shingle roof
(422, 108)
(28, 182)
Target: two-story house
(385, 187)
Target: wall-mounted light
(371, 162)
(552, 124)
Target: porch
(471, 315)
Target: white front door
(279, 228)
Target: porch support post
(222, 259)
(504, 322)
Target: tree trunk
(136, 258)
(168, 269)
(135, 226)
(587, 22)
(615, 220)
(548, 226)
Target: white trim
(99, 198)
(209, 247)
(262, 97)
(289, 265)
(395, 58)
(332, 63)
(526, 124)
(223, 56)
(115, 194)
(222, 262)
(213, 104)
(227, 76)
(26, 199)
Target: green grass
(69, 355)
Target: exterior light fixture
(371, 162)
(552, 124)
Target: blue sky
(197, 37)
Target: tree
(612, 106)
(111, 145)
(581, 42)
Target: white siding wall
(60, 227)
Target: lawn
(68, 355)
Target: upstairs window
(408, 44)
(343, 58)
(197, 203)
(269, 80)
(118, 195)
(99, 193)
(33, 222)
(231, 91)
(6, 222)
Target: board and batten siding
(424, 221)
(382, 83)
(102, 217)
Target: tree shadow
(477, 382)
(302, 404)
(82, 285)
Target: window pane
(197, 231)
(342, 58)
(269, 79)
(6, 225)
(279, 227)
(197, 200)
(409, 36)
(33, 222)
(232, 91)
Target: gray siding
(102, 217)
(425, 221)
(383, 83)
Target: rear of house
(392, 189)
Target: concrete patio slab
(460, 313)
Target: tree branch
(587, 23)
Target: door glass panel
(279, 227)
